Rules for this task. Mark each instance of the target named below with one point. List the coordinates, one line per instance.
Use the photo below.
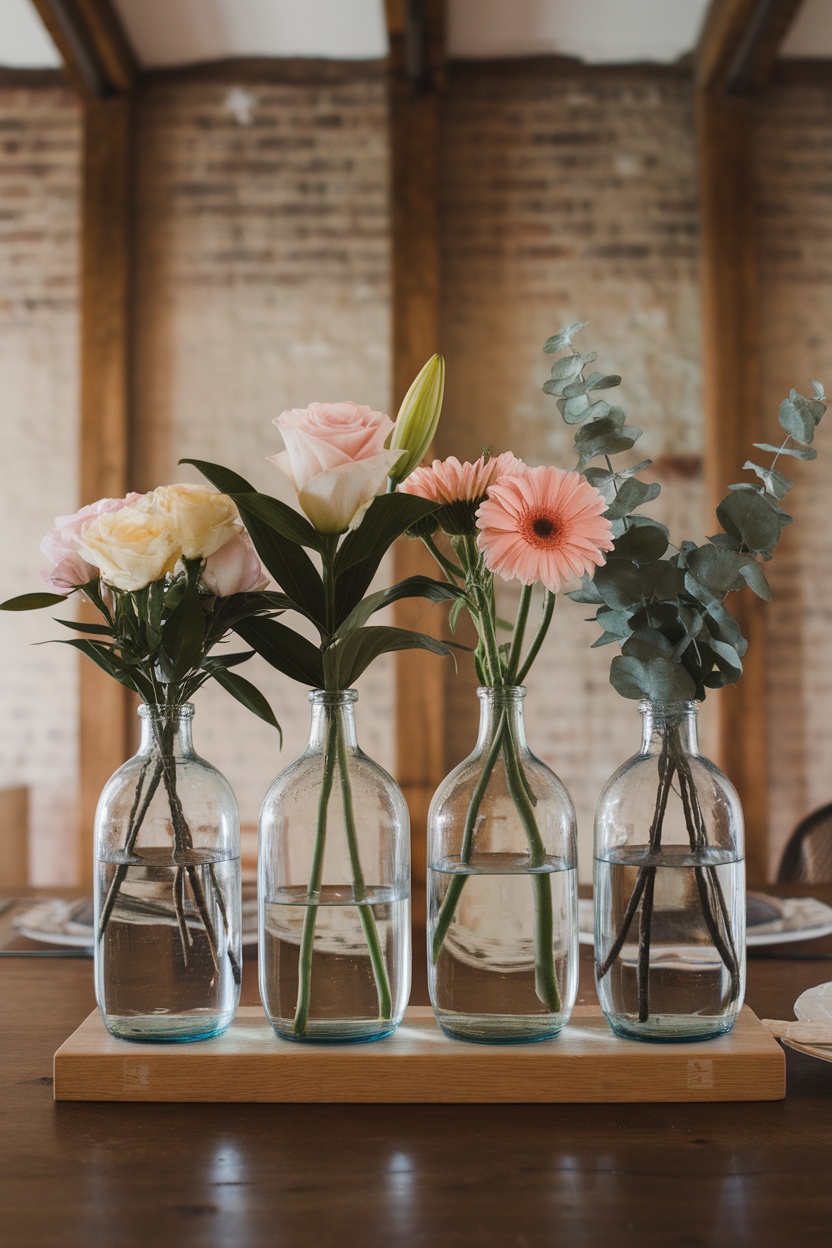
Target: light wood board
(586, 1063)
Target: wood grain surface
(418, 1064)
(473, 1176)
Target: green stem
(549, 601)
(314, 890)
(451, 570)
(365, 912)
(519, 633)
(451, 899)
(546, 984)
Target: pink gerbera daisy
(460, 487)
(542, 526)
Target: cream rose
(336, 459)
(201, 520)
(60, 546)
(130, 547)
(234, 569)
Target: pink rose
(336, 459)
(60, 546)
(234, 569)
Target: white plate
(802, 918)
(813, 1006)
(50, 922)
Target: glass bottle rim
(673, 708)
(164, 710)
(507, 693)
(332, 697)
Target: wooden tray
(418, 1063)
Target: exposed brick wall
(39, 184)
(564, 199)
(263, 272)
(793, 162)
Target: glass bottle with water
(669, 888)
(502, 887)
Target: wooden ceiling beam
(95, 50)
(739, 44)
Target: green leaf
(800, 417)
(588, 592)
(361, 551)
(579, 409)
(644, 543)
(566, 369)
(818, 391)
(775, 483)
(563, 338)
(748, 515)
(284, 559)
(412, 587)
(615, 622)
(755, 578)
(229, 660)
(717, 569)
(183, 637)
(798, 452)
(284, 649)
(279, 516)
(350, 657)
(97, 630)
(659, 679)
(245, 693)
(607, 436)
(32, 602)
(108, 662)
(727, 659)
(631, 493)
(599, 382)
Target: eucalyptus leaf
(563, 338)
(631, 493)
(640, 543)
(717, 569)
(607, 436)
(800, 417)
(755, 578)
(747, 514)
(588, 592)
(797, 452)
(774, 482)
(658, 679)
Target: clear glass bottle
(167, 897)
(669, 888)
(334, 884)
(502, 887)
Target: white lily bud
(418, 417)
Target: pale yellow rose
(130, 547)
(201, 519)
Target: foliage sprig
(665, 605)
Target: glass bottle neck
(167, 729)
(332, 710)
(498, 705)
(669, 725)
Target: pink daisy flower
(460, 487)
(543, 525)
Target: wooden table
(651, 1176)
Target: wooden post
(105, 405)
(416, 40)
(736, 53)
(100, 65)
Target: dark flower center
(543, 527)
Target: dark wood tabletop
(311, 1176)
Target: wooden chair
(807, 858)
(14, 837)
